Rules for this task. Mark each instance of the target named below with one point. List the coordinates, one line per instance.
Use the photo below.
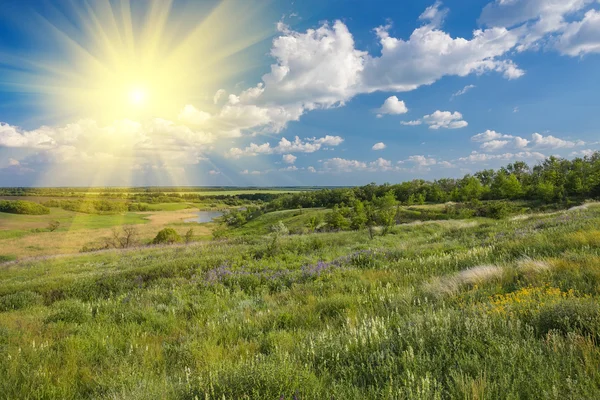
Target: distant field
(23, 236)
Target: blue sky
(295, 93)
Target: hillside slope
(447, 309)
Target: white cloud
(584, 153)
(544, 23)
(218, 95)
(320, 66)
(463, 91)
(11, 136)
(381, 164)
(214, 172)
(445, 119)
(494, 145)
(551, 142)
(476, 157)
(488, 135)
(440, 119)
(290, 168)
(378, 146)
(309, 145)
(289, 158)
(123, 142)
(191, 115)
(311, 169)
(520, 143)
(392, 106)
(422, 161)
(581, 37)
(342, 165)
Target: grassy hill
(447, 309)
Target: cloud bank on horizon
(256, 134)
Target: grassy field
(23, 236)
(476, 309)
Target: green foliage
(167, 236)
(336, 220)
(23, 207)
(189, 235)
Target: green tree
(359, 216)
(167, 236)
(336, 220)
(386, 214)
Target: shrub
(53, 225)
(167, 235)
(23, 207)
(189, 235)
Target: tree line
(553, 180)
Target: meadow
(472, 308)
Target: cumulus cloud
(87, 142)
(392, 106)
(378, 146)
(494, 141)
(191, 115)
(218, 95)
(289, 158)
(488, 135)
(440, 119)
(343, 165)
(12, 136)
(309, 145)
(551, 142)
(422, 161)
(445, 119)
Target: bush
(53, 225)
(23, 207)
(167, 235)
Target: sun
(138, 96)
(137, 60)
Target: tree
(124, 238)
(189, 235)
(167, 236)
(387, 211)
(336, 220)
(359, 216)
(314, 221)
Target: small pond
(204, 216)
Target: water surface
(204, 216)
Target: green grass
(295, 220)
(477, 309)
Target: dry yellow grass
(69, 242)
